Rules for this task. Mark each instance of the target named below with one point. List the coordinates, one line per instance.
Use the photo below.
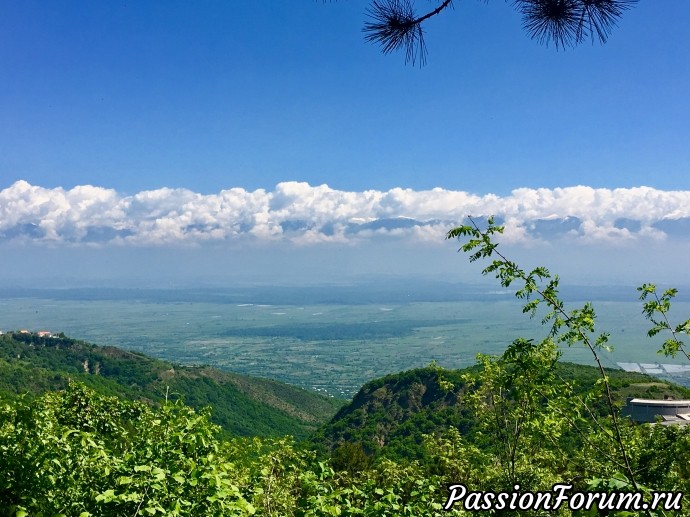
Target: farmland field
(329, 347)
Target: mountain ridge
(242, 405)
(389, 416)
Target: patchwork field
(332, 348)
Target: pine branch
(394, 25)
(567, 23)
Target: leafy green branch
(538, 287)
(656, 310)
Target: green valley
(243, 406)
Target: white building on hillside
(671, 411)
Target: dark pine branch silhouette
(570, 22)
(395, 25)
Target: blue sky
(278, 98)
(142, 95)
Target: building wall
(645, 412)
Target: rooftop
(659, 402)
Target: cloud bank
(304, 214)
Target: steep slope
(242, 405)
(390, 415)
(393, 412)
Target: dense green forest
(79, 443)
(243, 406)
(391, 416)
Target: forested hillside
(390, 416)
(242, 406)
(78, 452)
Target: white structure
(671, 411)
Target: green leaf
(106, 496)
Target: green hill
(242, 405)
(77, 451)
(389, 416)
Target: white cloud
(312, 215)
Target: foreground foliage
(527, 406)
(77, 452)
